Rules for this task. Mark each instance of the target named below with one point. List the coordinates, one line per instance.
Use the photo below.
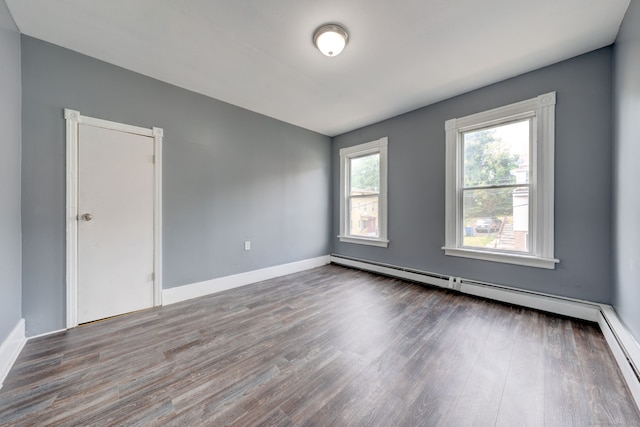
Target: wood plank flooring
(330, 346)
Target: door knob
(87, 217)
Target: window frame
(541, 170)
(379, 146)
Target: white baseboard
(44, 334)
(394, 271)
(575, 308)
(624, 347)
(10, 349)
(195, 290)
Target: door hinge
(153, 277)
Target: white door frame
(73, 120)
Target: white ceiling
(258, 54)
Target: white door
(115, 223)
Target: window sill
(525, 260)
(383, 243)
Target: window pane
(496, 218)
(498, 155)
(364, 216)
(365, 174)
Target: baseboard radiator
(624, 347)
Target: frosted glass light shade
(330, 39)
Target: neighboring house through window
(363, 193)
(499, 184)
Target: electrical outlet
(247, 245)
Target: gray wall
(10, 240)
(582, 174)
(229, 175)
(626, 160)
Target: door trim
(73, 120)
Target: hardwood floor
(330, 346)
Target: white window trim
(542, 180)
(377, 146)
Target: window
(499, 184)
(363, 184)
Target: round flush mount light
(330, 39)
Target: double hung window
(499, 184)
(363, 193)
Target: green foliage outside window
(365, 173)
(487, 161)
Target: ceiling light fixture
(330, 39)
